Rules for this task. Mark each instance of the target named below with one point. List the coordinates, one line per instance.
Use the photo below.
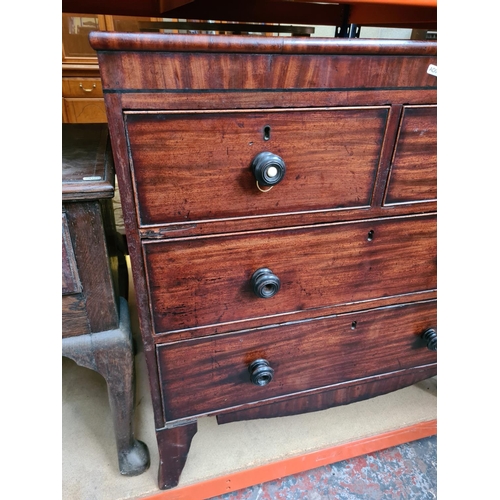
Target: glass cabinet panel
(129, 24)
(75, 37)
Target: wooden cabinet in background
(82, 99)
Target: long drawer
(204, 281)
(303, 356)
(195, 167)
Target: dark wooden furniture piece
(279, 198)
(95, 319)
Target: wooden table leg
(173, 447)
(110, 353)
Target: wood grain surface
(206, 281)
(356, 260)
(190, 167)
(336, 395)
(414, 167)
(304, 355)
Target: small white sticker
(432, 70)
(93, 178)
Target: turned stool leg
(110, 353)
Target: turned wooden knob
(261, 372)
(430, 337)
(265, 284)
(268, 169)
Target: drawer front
(304, 356)
(82, 87)
(207, 281)
(414, 167)
(84, 110)
(193, 167)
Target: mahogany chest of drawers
(279, 198)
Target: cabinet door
(75, 37)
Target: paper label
(432, 70)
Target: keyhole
(267, 132)
(370, 235)
(353, 325)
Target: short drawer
(197, 167)
(82, 87)
(413, 176)
(304, 356)
(207, 281)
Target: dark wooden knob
(265, 284)
(430, 337)
(261, 372)
(268, 169)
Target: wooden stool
(95, 319)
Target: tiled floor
(408, 471)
